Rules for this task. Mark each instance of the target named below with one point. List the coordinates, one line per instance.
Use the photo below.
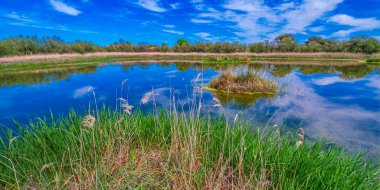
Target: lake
(341, 104)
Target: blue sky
(165, 21)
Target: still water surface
(341, 104)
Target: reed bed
(110, 149)
(168, 55)
(243, 83)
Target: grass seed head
(145, 99)
(89, 121)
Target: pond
(341, 104)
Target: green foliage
(164, 48)
(182, 45)
(373, 60)
(284, 43)
(363, 44)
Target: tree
(164, 48)
(182, 46)
(286, 43)
(257, 48)
(78, 47)
(363, 44)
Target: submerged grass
(162, 150)
(244, 82)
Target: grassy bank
(177, 56)
(161, 150)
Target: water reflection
(241, 101)
(43, 76)
(40, 76)
(340, 103)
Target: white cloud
(285, 6)
(357, 24)
(62, 28)
(64, 8)
(317, 29)
(253, 20)
(16, 16)
(306, 14)
(366, 23)
(173, 32)
(206, 36)
(168, 26)
(151, 5)
(198, 4)
(175, 5)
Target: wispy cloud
(317, 29)
(175, 5)
(168, 26)
(253, 20)
(62, 28)
(64, 8)
(206, 36)
(152, 5)
(357, 24)
(198, 4)
(173, 32)
(14, 15)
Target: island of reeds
(243, 83)
(171, 150)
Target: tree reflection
(43, 76)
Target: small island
(243, 83)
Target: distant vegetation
(244, 82)
(285, 43)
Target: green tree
(257, 47)
(363, 44)
(182, 45)
(286, 43)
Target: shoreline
(39, 58)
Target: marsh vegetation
(171, 150)
(245, 82)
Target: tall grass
(170, 55)
(243, 82)
(171, 150)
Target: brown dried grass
(74, 56)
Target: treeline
(284, 43)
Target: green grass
(161, 150)
(373, 60)
(47, 64)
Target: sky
(164, 21)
